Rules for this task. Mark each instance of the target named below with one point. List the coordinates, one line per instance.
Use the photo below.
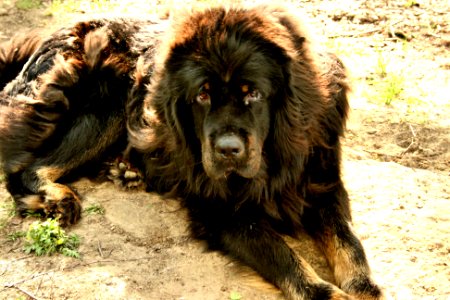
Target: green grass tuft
(28, 4)
(381, 67)
(70, 6)
(16, 235)
(94, 209)
(235, 296)
(46, 238)
(393, 86)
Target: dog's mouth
(218, 172)
(232, 170)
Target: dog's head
(232, 120)
(232, 85)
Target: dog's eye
(251, 94)
(203, 96)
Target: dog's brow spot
(206, 86)
(245, 88)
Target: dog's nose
(229, 147)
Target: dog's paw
(320, 290)
(61, 203)
(334, 293)
(124, 175)
(363, 289)
(54, 201)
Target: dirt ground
(396, 168)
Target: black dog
(231, 110)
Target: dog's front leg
(259, 247)
(329, 224)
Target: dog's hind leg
(64, 112)
(50, 139)
(37, 187)
(47, 142)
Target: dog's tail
(14, 54)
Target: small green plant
(389, 85)
(393, 87)
(95, 209)
(58, 6)
(28, 4)
(381, 67)
(68, 6)
(235, 296)
(16, 235)
(32, 214)
(46, 238)
(411, 3)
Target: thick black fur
(231, 110)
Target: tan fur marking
(33, 202)
(312, 277)
(95, 42)
(50, 174)
(57, 192)
(344, 267)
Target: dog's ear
(166, 113)
(310, 113)
(178, 118)
(302, 102)
(151, 114)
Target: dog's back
(62, 107)
(14, 54)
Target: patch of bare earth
(396, 167)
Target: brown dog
(231, 110)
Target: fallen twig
(104, 261)
(362, 33)
(9, 285)
(26, 292)
(40, 284)
(5, 269)
(99, 247)
(355, 34)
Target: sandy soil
(396, 167)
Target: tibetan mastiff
(229, 109)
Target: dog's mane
(305, 116)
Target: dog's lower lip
(229, 171)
